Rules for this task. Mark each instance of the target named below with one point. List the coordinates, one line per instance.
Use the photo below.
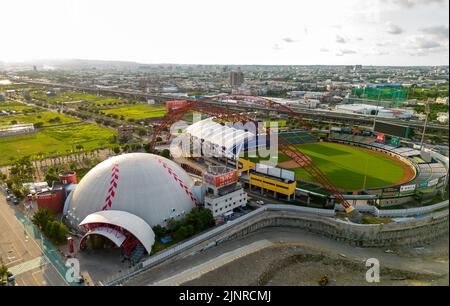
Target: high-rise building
(236, 78)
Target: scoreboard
(392, 129)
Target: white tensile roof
(132, 223)
(226, 140)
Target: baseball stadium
(375, 166)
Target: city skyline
(381, 33)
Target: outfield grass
(346, 166)
(137, 112)
(43, 117)
(55, 141)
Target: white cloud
(421, 42)
(393, 29)
(180, 31)
(289, 40)
(438, 32)
(340, 39)
(413, 3)
(343, 52)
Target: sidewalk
(48, 250)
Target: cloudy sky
(368, 32)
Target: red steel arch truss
(284, 145)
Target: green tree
(41, 217)
(165, 153)
(51, 176)
(159, 231)
(38, 125)
(148, 147)
(183, 232)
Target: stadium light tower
(377, 110)
(427, 111)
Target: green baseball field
(350, 168)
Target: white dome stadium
(148, 186)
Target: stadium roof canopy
(132, 223)
(226, 141)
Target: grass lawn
(77, 96)
(55, 141)
(14, 106)
(43, 117)
(346, 166)
(137, 112)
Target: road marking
(213, 264)
(29, 265)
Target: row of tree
(22, 171)
(196, 221)
(56, 231)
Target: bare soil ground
(291, 265)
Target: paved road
(299, 238)
(213, 264)
(21, 253)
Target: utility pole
(427, 111)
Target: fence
(397, 212)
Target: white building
(442, 100)
(222, 191)
(442, 117)
(367, 109)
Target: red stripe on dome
(112, 187)
(177, 179)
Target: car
(16, 201)
(259, 202)
(8, 191)
(8, 198)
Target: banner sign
(221, 179)
(407, 188)
(380, 138)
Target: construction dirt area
(290, 264)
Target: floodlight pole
(427, 110)
(377, 110)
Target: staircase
(137, 254)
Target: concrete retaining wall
(397, 212)
(312, 220)
(402, 233)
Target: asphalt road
(21, 253)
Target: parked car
(16, 201)
(8, 198)
(8, 191)
(259, 202)
(11, 279)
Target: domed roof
(146, 185)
